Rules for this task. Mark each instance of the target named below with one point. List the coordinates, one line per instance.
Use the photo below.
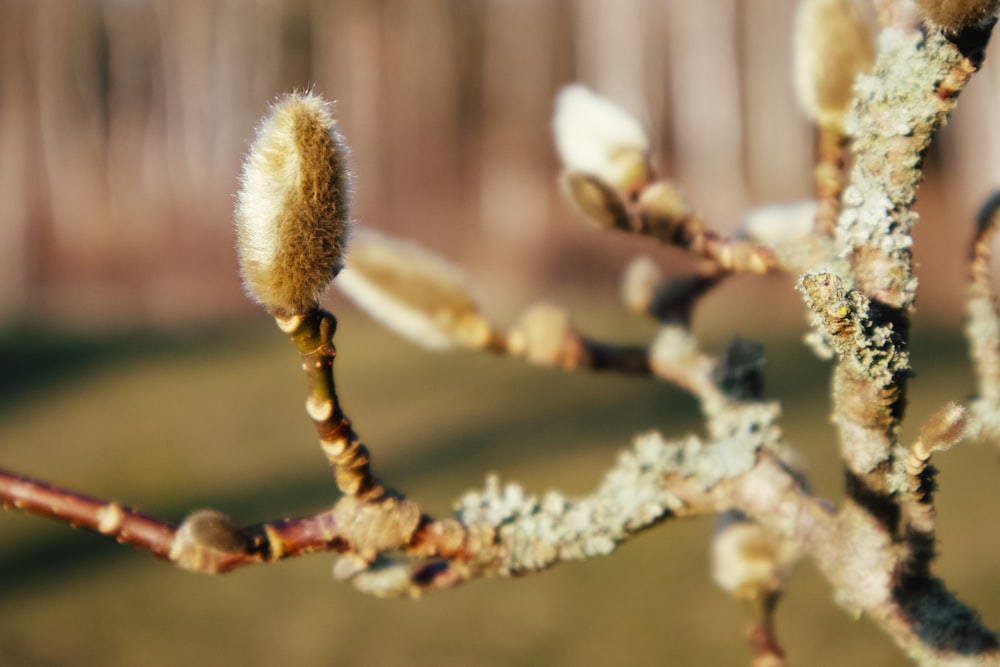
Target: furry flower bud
(956, 15)
(597, 137)
(412, 292)
(748, 562)
(293, 207)
(833, 43)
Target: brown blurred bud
(598, 203)
(544, 336)
(204, 541)
(833, 43)
(412, 292)
(749, 562)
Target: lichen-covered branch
(872, 366)
(898, 110)
(865, 310)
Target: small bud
(639, 284)
(945, 427)
(664, 203)
(956, 15)
(833, 43)
(408, 290)
(110, 518)
(597, 137)
(544, 336)
(780, 224)
(749, 562)
(205, 540)
(598, 203)
(293, 207)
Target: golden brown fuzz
(413, 292)
(955, 15)
(293, 208)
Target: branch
(502, 531)
(107, 518)
(898, 110)
(659, 212)
(983, 327)
(312, 334)
(545, 336)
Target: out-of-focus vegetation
(169, 425)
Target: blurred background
(133, 367)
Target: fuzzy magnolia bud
(945, 427)
(833, 43)
(779, 224)
(597, 137)
(417, 295)
(293, 208)
(956, 15)
(749, 562)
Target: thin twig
(982, 329)
(108, 518)
(312, 334)
(830, 178)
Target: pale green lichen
(897, 111)
(873, 348)
(635, 494)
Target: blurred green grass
(170, 423)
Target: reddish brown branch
(207, 542)
(108, 518)
(761, 636)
